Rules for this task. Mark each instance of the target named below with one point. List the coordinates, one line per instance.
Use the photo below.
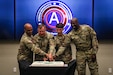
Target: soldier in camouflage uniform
(45, 41)
(84, 37)
(27, 47)
(63, 48)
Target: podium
(52, 70)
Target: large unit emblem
(52, 13)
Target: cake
(48, 63)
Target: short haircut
(41, 25)
(60, 25)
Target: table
(63, 70)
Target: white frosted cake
(48, 63)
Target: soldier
(45, 41)
(27, 47)
(63, 48)
(84, 37)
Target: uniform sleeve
(94, 41)
(60, 50)
(33, 47)
(63, 46)
(35, 38)
(51, 44)
(70, 36)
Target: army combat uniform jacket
(63, 48)
(45, 43)
(85, 39)
(27, 47)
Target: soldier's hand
(54, 57)
(93, 57)
(50, 57)
(45, 59)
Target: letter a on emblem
(54, 18)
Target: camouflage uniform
(63, 48)
(86, 44)
(45, 43)
(27, 47)
(25, 53)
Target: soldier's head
(28, 29)
(75, 23)
(59, 28)
(41, 30)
